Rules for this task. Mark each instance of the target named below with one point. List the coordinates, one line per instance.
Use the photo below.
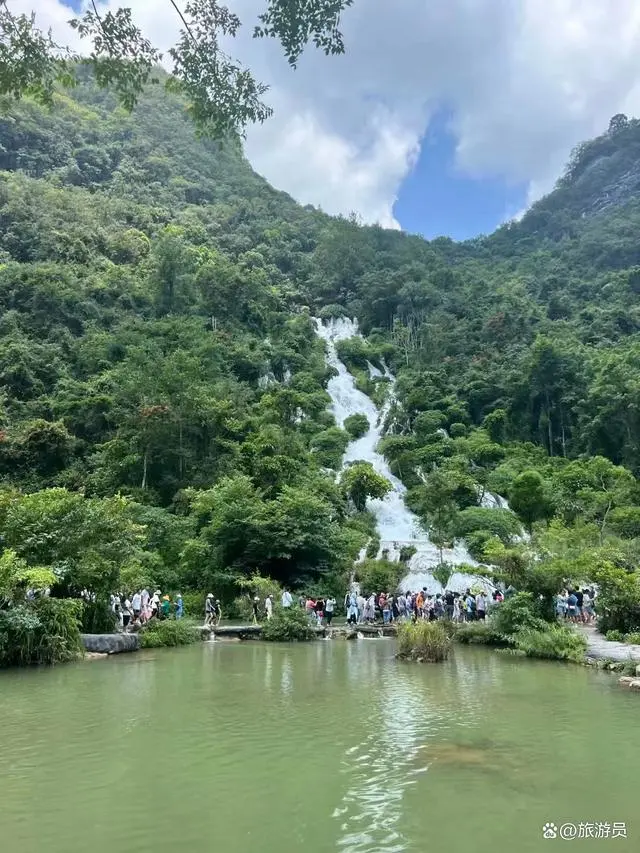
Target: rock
(635, 684)
(352, 635)
(626, 679)
(110, 644)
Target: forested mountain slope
(156, 344)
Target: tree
(435, 502)
(356, 425)
(361, 481)
(223, 95)
(529, 498)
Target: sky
(443, 117)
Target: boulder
(110, 644)
(635, 684)
(626, 679)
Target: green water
(331, 746)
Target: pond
(329, 746)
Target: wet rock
(635, 684)
(110, 644)
(626, 679)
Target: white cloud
(524, 81)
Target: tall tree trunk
(145, 463)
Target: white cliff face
(397, 525)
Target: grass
(168, 632)
(423, 641)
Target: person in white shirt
(481, 606)
(268, 607)
(287, 600)
(136, 605)
(329, 607)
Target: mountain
(156, 344)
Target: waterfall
(397, 525)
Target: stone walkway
(599, 647)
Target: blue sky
(436, 199)
(519, 95)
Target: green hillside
(164, 415)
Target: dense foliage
(288, 624)
(168, 632)
(163, 413)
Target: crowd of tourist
(388, 608)
(576, 605)
(142, 606)
(573, 605)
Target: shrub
(357, 425)
(331, 312)
(406, 553)
(98, 617)
(288, 624)
(379, 575)
(167, 632)
(555, 642)
(633, 638)
(44, 632)
(442, 573)
(499, 522)
(193, 604)
(614, 636)
(329, 446)
(479, 633)
(618, 598)
(425, 641)
(515, 614)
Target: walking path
(599, 647)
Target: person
(179, 606)
(561, 604)
(286, 600)
(329, 607)
(448, 602)
(456, 608)
(254, 609)
(572, 606)
(370, 609)
(302, 601)
(319, 609)
(352, 610)
(165, 608)
(361, 605)
(579, 602)
(386, 609)
(395, 608)
(209, 609)
(126, 614)
(402, 607)
(268, 606)
(310, 608)
(155, 603)
(420, 599)
(144, 599)
(136, 605)
(117, 609)
(587, 606)
(481, 605)
(217, 612)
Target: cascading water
(397, 525)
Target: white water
(397, 525)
